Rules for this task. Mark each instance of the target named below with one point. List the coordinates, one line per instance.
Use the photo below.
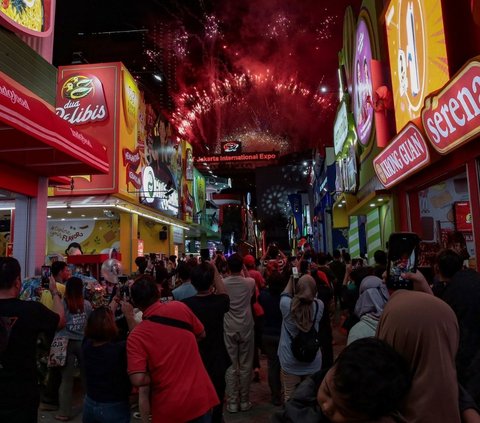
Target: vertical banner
(297, 210)
(188, 201)
(374, 239)
(199, 194)
(353, 237)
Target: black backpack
(305, 345)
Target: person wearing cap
(249, 262)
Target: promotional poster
(418, 56)
(362, 84)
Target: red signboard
(406, 153)
(131, 161)
(101, 83)
(463, 216)
(81, 100)
(247, 157)
(451, 116)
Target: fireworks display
(264, 73)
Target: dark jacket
(303, 406)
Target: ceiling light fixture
(158, 77)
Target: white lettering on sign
(14, 97)
(81, 137)
(81, 115)
(340, 129)
(405, 154)
(154, 189)
(452, 116)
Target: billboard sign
(406, 154)
(31, 17)
(362, 84)
(418, 56)
(451, 116)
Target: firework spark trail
(265, 99)
(263, 76)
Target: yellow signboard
(418, 56)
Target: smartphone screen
(46, 273)
(402, 258)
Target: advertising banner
(187, 200)
(418, 56)
(231, 147)
(463, 216)
(31, 17)
(407, 153)
(340, 128)
(297, 210)
(362, 84)
(162, 172)
(246, 157)
(129, 160)
(87, 96)
(199, 191)
(95, 236)
(451, 116)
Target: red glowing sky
(276, 56)
(249, 70)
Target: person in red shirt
(166, 357)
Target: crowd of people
(183, 341)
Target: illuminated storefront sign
(362, 84)
(340, 128)
(81, 100)
(248, 157)
(406, 154)
(33, 17)
(131, 162)
(451, 116)
(418, 56)
(130, 100)
(157, 194)
(231, 147)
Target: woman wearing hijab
(424, 330)
(300, 310)
(369, 308)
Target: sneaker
(245, 406)
(232, 408)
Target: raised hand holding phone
(402, 260)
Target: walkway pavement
(260, 396)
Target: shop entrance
(446, 220)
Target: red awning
(34, 138)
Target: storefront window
(446, 220)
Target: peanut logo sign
(451, 116)
(81, 100)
